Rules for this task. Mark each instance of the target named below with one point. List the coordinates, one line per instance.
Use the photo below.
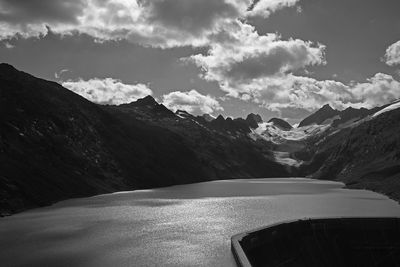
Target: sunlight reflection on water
(180, 225)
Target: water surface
(187, 225)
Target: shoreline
(349, 186)
(394, 197)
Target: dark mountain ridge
(56, 145)
(284, 125)
(324, 113)
(364, 155)
(336, 117)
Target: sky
(277, 58)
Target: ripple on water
(187, 225)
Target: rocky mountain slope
(365, 154)
(282, 124)
(319, 117)
(55, 145)
(360, 147)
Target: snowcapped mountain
(270, 132)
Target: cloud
(290, 92)
(264, 8)
(392, 55)
(193, 17)
(243, 59)
(378, 90)
(161, 23)
(33, 11)
(58, 75)
(261, 69)
(8, 45)
(191, 101)
(157, 23)
(28, 18)
(108, 90)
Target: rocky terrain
(55, 145)
(364, 154)
(359, 147)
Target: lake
(187, 225)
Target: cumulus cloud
(291, 92)
(244, 61)
(378, 90)
(192, 17)
(160, 23)
(260, 68)
(108, 90)
(245, 64)
(392, 55)
(191, 101)
(287, 91)
(264, 8)
(248, 56)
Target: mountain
(328, 115)
(235, 126)
(360, 147)
(352, 114)
(56, 145)
(319, 117)
(284, 125)
(149, 108)
(366, 155)
(253, 120)
(208, 117)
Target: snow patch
(285, 159)
(393, 106)
(269, 132)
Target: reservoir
(185, 225)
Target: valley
(57, 145)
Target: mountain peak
(208, 117)
(321, 115)
(220, 118)
(327, 107)
(6, 66)
(146, 101)
(7, 70)
(257, 118)
(284, 125)
(253, 120)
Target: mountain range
(54, 145)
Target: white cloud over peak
(108, 90)
(191, 101)
(296, 92)
(392, 55)
(261, 69)
(379, 90)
